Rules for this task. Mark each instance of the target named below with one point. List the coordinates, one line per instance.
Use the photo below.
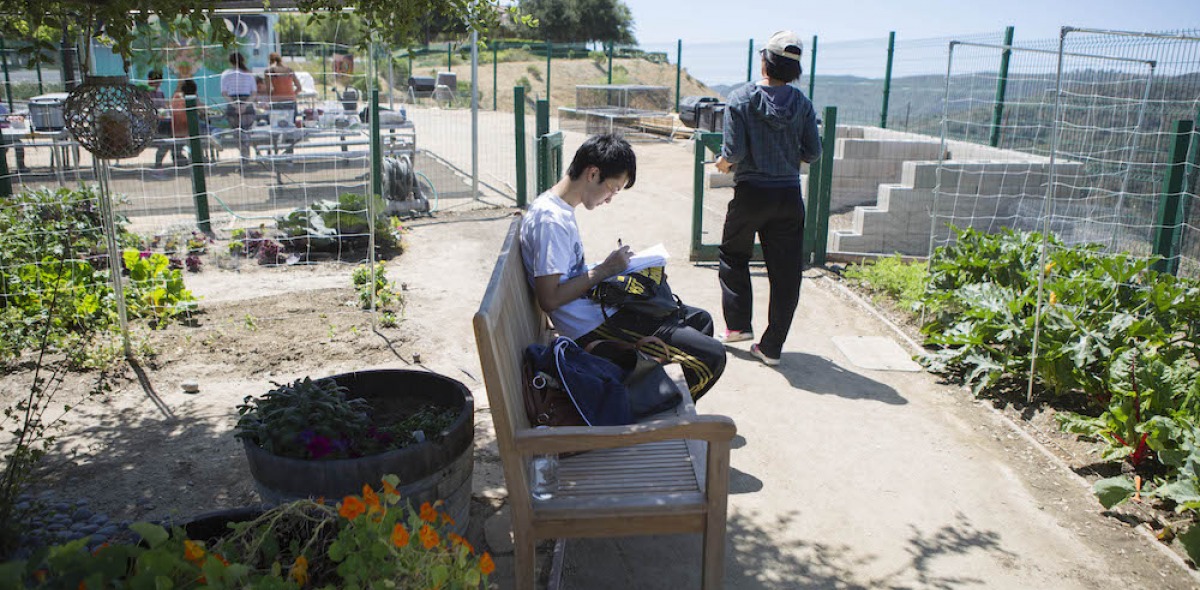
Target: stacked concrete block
(929, 198)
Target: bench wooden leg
(717, 483)
(525, 558)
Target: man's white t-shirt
(238, 83)
(550, 245)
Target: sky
(716, 33)
(664, 21)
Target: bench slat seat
(669, 474)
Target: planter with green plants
(327, 437)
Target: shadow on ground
(759, 558)
(816, 374)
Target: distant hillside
(566, 74)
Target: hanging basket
(110, 118)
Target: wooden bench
(666, 475)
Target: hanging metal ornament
(110, 117)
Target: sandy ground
(841, 477)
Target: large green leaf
(1114, 490)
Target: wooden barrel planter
(439, 468)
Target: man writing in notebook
(552, 251)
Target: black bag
(644, 292)
(651, 390)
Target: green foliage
(1114, 334)
(579, 20)
(368, 541)
(534, 71)
(310, 419)
(303, 419)
(892, 277)
(385, 294)
(329, 225)
(156, 290)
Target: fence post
(519, 126)
(495, 83)
(812, 69)
(324, 72)
(449, 56)
(38, 65)
(198, 165)
(750, 61)
(1001, 87)
(410, 63)
(887, 79)
(610, 55)
(828, 142)
(5, 179)
(549, 51)
(376, 147)
(820, 177)
(7, 80)
(1167, 229)
(678, 69)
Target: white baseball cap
(785, 44)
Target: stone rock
(82, 514)
(498, 532)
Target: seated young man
(552, 251)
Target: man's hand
(724, 165)
(616, 263)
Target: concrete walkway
(841, 477)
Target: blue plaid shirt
(769, 131)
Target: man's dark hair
(781, 68)
(188, 86)
(609, 152)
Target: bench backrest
(508, 320)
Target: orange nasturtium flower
(299, 571)
(1049, 266)
(400, 536)
(351, 508)
(390, 489)
(428, 514)
(429, 537)
(457, 540)
(192, 551)
(1053, 298)
(82, 585)
(370, 496)
(486, 565)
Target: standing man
(770, 128)
(552, 251)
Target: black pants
(777, 216)
(689, 339)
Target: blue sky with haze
(662, 21)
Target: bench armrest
(567, 439)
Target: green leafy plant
(384, 293)
(902, 282)
(335, 225)
(369, 541)
(314, 419)
(156, 290)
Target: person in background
(178, 122)
(552, 251)
(154, 80)
(770, 128)
(282, 85)
(239, 87)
